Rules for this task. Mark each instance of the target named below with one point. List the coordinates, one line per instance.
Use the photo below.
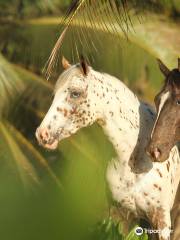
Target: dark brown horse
(166, 131)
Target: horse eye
(75, 94)
(178, 102)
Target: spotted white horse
(84, 96)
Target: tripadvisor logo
(138, 231)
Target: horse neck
(123, 114)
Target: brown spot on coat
(155, 185)
(59, 109)
(157, 217)
(101, 122)
(73, 110)
(160, 174)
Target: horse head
(166, 131)
(73, 106)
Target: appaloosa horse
(166, 131)
(84, 96)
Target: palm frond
(31, 78)
(34, 153)
(10, 84)
(24, 167)
(103, 15)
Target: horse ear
(65, 63)
(163, 68)
(84, 66)
(179, 64)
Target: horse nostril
(156, 153)
(44, 135)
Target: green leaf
(132, 235)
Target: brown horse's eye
(75, 94)
(178, 102)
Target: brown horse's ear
(179, 64)
(163, 68)
(65, 63)
(84, 66)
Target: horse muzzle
(45, 139)
(156, 153)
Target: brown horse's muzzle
(157, 153)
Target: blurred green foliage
(111, 230)
(32, 8)
(171, 7)
(29, 8)
(122, 60)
